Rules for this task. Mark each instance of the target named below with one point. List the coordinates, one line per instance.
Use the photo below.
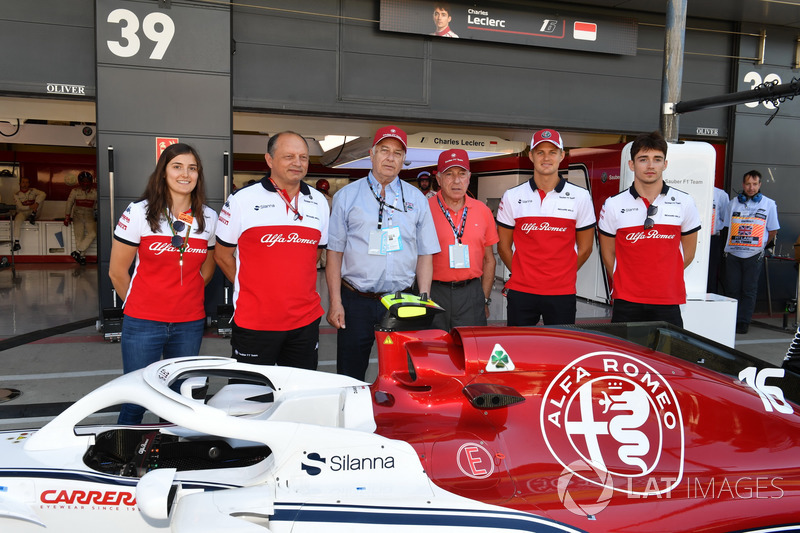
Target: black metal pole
(765, 92)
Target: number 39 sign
(157, 27)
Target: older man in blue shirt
(381, 236)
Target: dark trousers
(297, 348)
(741, 282)
(716, 246)
(526, 309)
(464, 305)
(354, 342)
(624, 311)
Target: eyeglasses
(651, 211)
(179, 225)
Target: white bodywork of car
(323, 470)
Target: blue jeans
(145, 341)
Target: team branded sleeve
(211, 226)
(427, 239)
(772, 217)
(337, 223)
(129, 228)
(228, 222)
(505, 214)
(324, 218)
(691, 217)
(607, 223)
(585, 216)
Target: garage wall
(772, 150)
(343, 64)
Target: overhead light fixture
(423, 149)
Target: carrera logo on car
(71, 497)
(340, 463)
(619, 415)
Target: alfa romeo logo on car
(618, 414)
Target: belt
(456, 284)
(371, 295)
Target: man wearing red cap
(381, 237)
(550, 222)
(463, 271)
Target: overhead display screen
(497, 22)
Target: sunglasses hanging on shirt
(178, 241)
(651, 212)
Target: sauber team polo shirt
(545, 257)
(276, 260)
(649, 262)
(479, 232)
(161, 288)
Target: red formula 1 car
(618, 427)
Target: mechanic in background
(550, 222)
(277, 227)
(463, 271)
(81, 204)
(752, 222)
(425, 184)
(29, 201)
(648, 236)
(381, 237)
(719, 213)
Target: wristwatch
(487, 301)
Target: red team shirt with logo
(649, 262)
(160, 289)
(545, 260)
(276, 258)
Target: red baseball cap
(453, 158)
(390, 131)
(550, 136)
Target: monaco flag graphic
(584, 31)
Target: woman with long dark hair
(169, 232)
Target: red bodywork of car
(591, 430)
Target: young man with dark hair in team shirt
(648, 236)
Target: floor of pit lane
(53, 367)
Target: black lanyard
(293, 208)
(382, 203)
(460, 231)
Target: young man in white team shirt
(550, 223)
(648, 236)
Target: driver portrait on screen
(441, 19)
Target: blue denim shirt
(355, 214)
